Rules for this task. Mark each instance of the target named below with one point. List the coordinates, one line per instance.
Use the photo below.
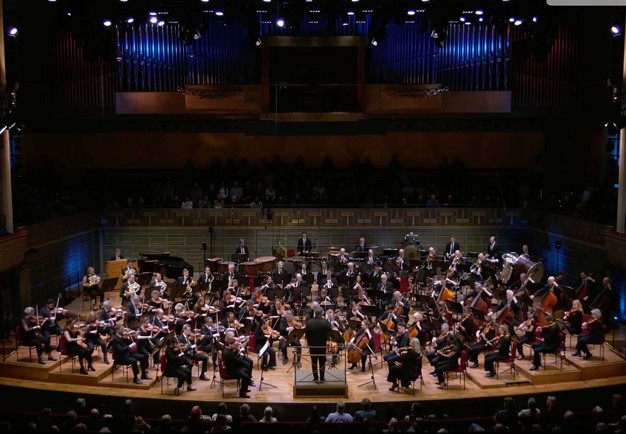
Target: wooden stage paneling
(577, 374)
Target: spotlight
(374, 42)
(344, 24)
(354, 1)
(462, 19)
(616, 30)
(154, 20)
(267, 1)
(69, 14)
(425, 1)
(481, 19)
(161, 23)
(350, 13)
(219, 13)
(258, 42)
(511, 20)
(434, 34)
(107, 23)
(123, 1)
(518, 22)
(130, 20)
(479, 12)
(52, 1)
(280, 22)
(468, 23)
(410, 12)
(204, 1)
(12, 31)
(197, 35)
(535, 19)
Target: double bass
(361, 342)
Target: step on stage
(334, 386)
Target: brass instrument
(93, 280)
(132, 289)
(128, 272)
(476, 267)
(190, 285)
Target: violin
(268, 331)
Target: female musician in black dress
(31, 336)
(502, 352)
(574, 318)
(175, 368)
(93, 335)
(363, 335)
(74, 346)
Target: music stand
(178, 291)
(239, 257)
(308, 278)
(201, 287)
(260, 355)
(375, 294)
(478, 314)
(325, 305)
(144, 278)
(369, 356)
(108, 284)
(370, 311)
(354, 324)
(454, 307)
(294, 336)
(273, 294)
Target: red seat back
(223, 374)
(163, 363)
(63, 344)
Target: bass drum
(534, 270)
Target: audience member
(340, 415)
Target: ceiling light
(13, 31)
(69, 14)
(468, 23)
(350, 13)
(511, 20)
(535, 19)
(462, 19)
(107, 23)
(161, 23)
(267, 1)
(280, 22)
(219, 13)
(410, 12)
(481, 19)
(123, 1)
(154, 20)
(130, 20)
(479, 12)
(374, 42)
(518, 22)
(344, 24)
(616, 30)
(258, 42)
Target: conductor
(318, 331)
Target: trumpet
(132, 289)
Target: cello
(361, 342)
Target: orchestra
(357, 310)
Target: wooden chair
(115, 366)
(224, 377)
(460, 370)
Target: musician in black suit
(405, 366)
(386, 287)
(401, 340)
(206, 276)
(176, 366)
(493, 249)
(134, 309)
(279, 275)
(304, 244)
(118, 255)
(230, 276)
(548, 344)
(362, 247)
(550, 286)
(236, 366)
(191, 353)
(451, 247)
(318, 330)
(185, 279)
(158, 283)
(128, 270)
(330, 283)
(242, 249)
(122, 348)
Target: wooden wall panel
(74, 154)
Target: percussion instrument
(510, 258)
(222, 266)
(212, 262)
(533, 270)
(266, 263)
(250, 268)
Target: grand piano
(168, 266)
